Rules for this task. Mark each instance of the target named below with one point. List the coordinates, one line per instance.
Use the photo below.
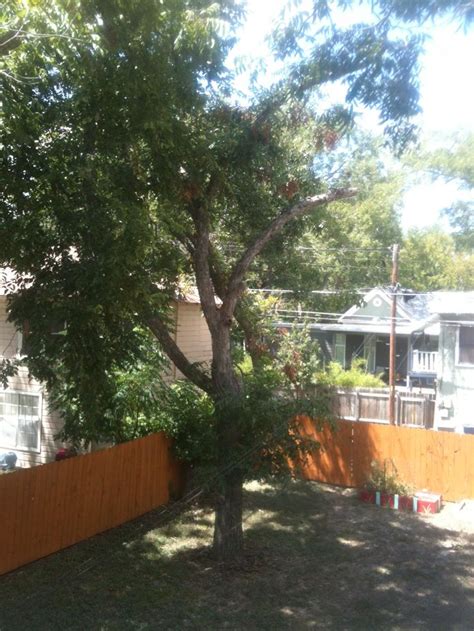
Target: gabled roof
(416, 306)
(416, 312)
(384, 295)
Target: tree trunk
(228, 531)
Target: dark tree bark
(158, 327)
(228, 531)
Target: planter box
(425, 503)
(397, 502)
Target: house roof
(187, 294)
(420, 308)
(191, 296)
(369, 328)
(416, 312)
(453, 302)
(379, 328)
(411, 306)
(384, 295)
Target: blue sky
(447, 96)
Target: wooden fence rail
(53, 506)
(440, 462)
(50, 507)
(372, 405)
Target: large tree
(429, 262)
(125, 166)
(454, 164)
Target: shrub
(187, 415)
(384, 478)
(355, 377)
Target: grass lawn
(316, 559)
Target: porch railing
(424, 361)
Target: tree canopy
(454, 164)
(127, 166)
(429, 262)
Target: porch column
(409, 360)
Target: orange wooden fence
(50, 507)
(440, 462)
(47, 508)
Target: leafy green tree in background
(429, 261)
(126, 166)
(350, 249)
(455, 164)
(432, 259)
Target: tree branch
(189, 370)
(200, 258)
(246, 324)
(235, 285)
(9, 41)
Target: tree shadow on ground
(315, 558)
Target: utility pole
(393, 331)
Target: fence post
(357, 406)
(398, 408)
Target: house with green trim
(434, 345)
(364, 331)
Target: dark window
(466, 345)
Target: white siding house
(192, 333)
(28, 426)
(455, 394)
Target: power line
(360, 290)
(340, 315)
(316, 249)
(266, 290)
(342, 249)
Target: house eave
(346, 328)
(429, 328)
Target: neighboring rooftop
(424, 305)
(453, 302)
(416, 311)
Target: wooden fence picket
(440, 462)
(50, 507)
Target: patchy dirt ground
(316, 558)
(458, 516)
